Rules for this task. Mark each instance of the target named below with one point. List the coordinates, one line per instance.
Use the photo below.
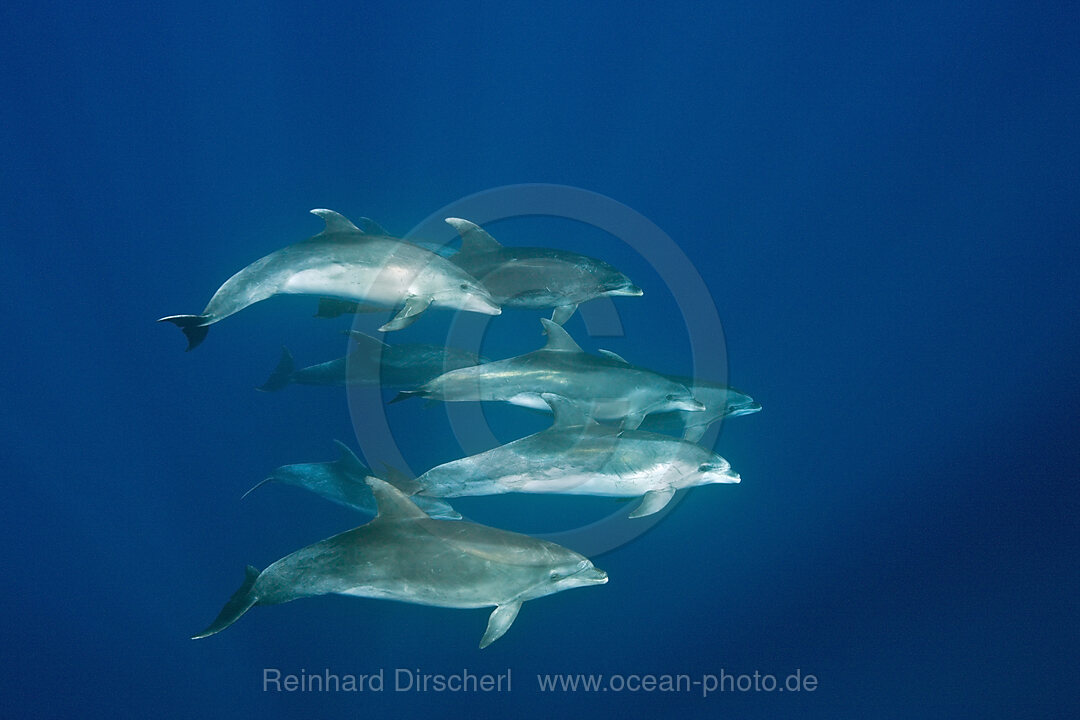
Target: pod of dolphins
(417, 548)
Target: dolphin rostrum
(606, 389)
(343, 481)
(373, 362)
(578, 456)
(405, 555)
(345, 262)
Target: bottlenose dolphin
(343, 481)
(606, 389)
(405, 555)
(578, 456)
(345, 262)
(532, 277)
(720, 402)
(373, 362)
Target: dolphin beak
(485, 305)
(630, 290)
(747, 409)
(595, 575)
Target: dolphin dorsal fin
(567, 412)
(335, 222)
(350, 462)
(558, 339)
(369, 226)
(613, 356)
(474, 239)
(392, 503)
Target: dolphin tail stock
(281, 377)
(194, 327)
(241, 601)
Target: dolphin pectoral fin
(632, 421)
(500, 621)
(409, 314)
(281, 377)
(693, 433)
(194, 327)
(562, 313)
(256, 486)
(653, 501)
(241, 601)
(567, 413)
(367, 343)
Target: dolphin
(405, 555)
(607, 389)
(342, 482)
(532, 277)
(345, 262)
(720, 402)
(578, 456)
(373, 362)
(523, 277)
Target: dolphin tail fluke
(406, 394)
(282, 375)
(238, 604)
(194, 327)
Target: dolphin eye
(464, 286)
(556, 575)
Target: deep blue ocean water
(881, 198)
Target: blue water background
(882, 198)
